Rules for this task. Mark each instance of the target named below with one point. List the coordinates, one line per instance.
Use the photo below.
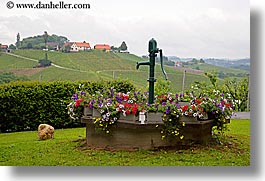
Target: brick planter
(131, 134)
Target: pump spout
(142, 63)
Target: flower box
(154, 117)
(88, 111)
(129, 117)
(188, 119)
(96, 113)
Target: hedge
(25, 105)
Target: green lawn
(23, 148)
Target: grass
(93, 65)
(23, 148)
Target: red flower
(127, 106)
(193, 107)
(78, 102)
(227, 105)
(135, 108)
(185, 108)
(198, 101)
(125, 97)
(127, 111)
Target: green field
(66, 149)
(209, 67)
(94, 65)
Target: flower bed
(115, 109)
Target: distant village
(74, 47)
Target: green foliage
(238, 89)
(163, 87)
(123, 46)
(7, 77)
(24, 105)
(45, 63)
(38, 42)
(12, 47)
(18, 43)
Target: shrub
(24, 105)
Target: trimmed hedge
(25, 105)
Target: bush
(25, 105)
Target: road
(241, 115)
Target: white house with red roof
(77, 46)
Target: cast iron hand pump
(153, 50)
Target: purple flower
(222, 94)
(181, 95)
(83, 93)
(177, 105)
(177, 95)
(163, 103)
(156, 106)
(100, 105)
(168, 110)
(119, 100)
(75, 97)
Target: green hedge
(25, 105)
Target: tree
(45, 36)
(66, 49)
(29, 46)
(123, 46)
(18, 41)
(202, 61)
(12, 47)
(238, 91)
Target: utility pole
(183, 81)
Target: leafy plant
(24, 105)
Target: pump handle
(162, 64)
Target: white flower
(195, 114)
(186, 113)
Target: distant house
(102, 47)
(4, 47)
(77, 46)
(178, 64)
(53, 45)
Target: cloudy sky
(184, 28)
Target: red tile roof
(102, 47)
(4, 46)
(79, 44)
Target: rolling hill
(92, 65)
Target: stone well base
(132, 134)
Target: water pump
(153, 50)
